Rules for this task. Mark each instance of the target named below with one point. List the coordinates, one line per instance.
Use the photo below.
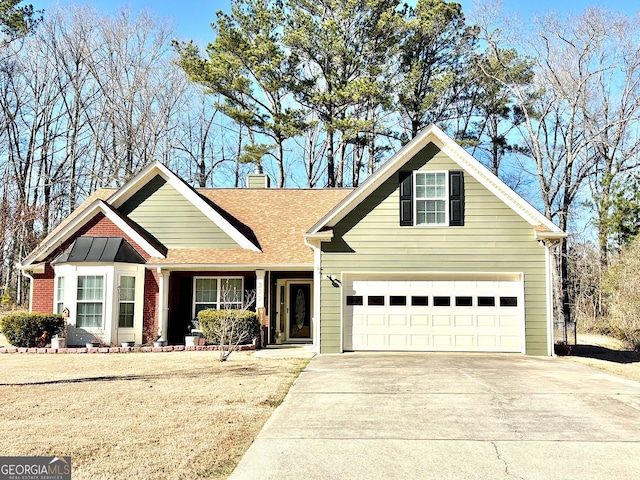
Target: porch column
(259, 288)
(163, 303)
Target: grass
(607, 354)
(179, 415)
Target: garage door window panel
(375, 300)
(464, 301)
(486, 301)
(353, 300)
(441, 301)
(419, 301)
(508, 301)
(397, 300)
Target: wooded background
(319, 93)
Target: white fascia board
(157, 168)
(98, 206)
(469, 164)
(493, 183)
(550, 235)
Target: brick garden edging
(176, 348)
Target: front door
(299, 311)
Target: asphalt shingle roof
(274, 219)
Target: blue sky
(192, 19)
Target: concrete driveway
(458, 416)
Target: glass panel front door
(299, 311)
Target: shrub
(23, 329)
(228, 326)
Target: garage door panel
(376, 320)
(398, 320)
(487, 320)
(508, 321)
(443, 341)
(420, 321)
(464, 341)
(442, 320)
(406, 318)
(488, 342)
(376, 341)
(399, 341)
(420, 342)
(463, 320)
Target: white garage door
(437, 314)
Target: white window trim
(58, 300)
(445, 198)
(218, 290)
(120, 302)
(103, 301)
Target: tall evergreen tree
(435, 54)
(344, 48)
(249, 67)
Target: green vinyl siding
(494, 238)
(172, 219)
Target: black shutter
(406, 199)
(456, 199)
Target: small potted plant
(59, 340)
(192, 338)
(95, 342)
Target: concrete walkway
(449, 416)
(287, 351)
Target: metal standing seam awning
(99, 250)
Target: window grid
(217, 293)
(431, 198)
(90, 293)
(127, 296)
(59, 294)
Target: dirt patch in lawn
(607, 354)
(180, 415)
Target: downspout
(317, 257)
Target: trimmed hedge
(22, 329)
(224, 327)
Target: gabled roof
(156, 168)
(99, 250)
(543, 226)
(93, 206)
(278, 218)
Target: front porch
(284, 301)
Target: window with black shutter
(406, 199)
(426, 204)
(456, 199)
